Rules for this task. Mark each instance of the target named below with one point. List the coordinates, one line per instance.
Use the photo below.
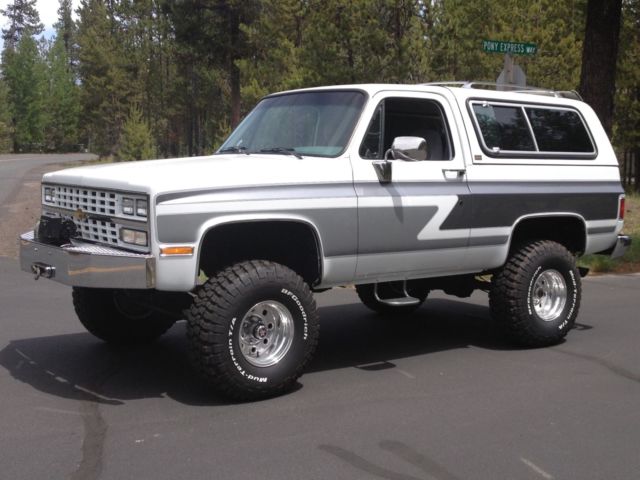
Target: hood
(199, 173)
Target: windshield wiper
(283, 150)
(234, 149)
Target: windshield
(305, 123)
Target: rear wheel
(252, 330)
(120, 316)
(535, 298)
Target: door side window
(372, 144)
(407, 117)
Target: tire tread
(207, 329)
(507, 308)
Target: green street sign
(514, 48)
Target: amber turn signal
(169, 251)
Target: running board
(405, 301)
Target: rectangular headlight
(133, 237)
(49, 195)
(127, 206)
(141, 208)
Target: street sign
(513, 48)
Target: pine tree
(62, 101)
(106, 87)
(275, 40)
(210, 45)
(23, 19)
(66, 31)
(136, 142)
(23, 73)
(626, 132)
(25, 77)
(5, 119)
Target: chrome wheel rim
(549, 295)
(266, 333)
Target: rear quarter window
(504, 127)
(527, 131)
(559, 130)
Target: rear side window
(504, 127)
(559, 130)
(526, 131)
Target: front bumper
(622, 244)
(87, 265)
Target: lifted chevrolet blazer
(396, 189)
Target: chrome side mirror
(409, 149)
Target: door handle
(453, 173)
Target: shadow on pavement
(80, 367)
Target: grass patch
(630, 262)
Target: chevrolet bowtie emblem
(80, 215)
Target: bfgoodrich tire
(535, 298)
(120, 316)
(252, 330)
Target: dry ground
(21, 210)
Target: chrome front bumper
(87, 265)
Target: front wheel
(120, 316)
(535, 298)
(252, 330)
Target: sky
(48, 11)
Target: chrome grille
(88, 200)
(97, 231)
(97, 213)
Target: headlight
(127, 206)
(141, 208)
(49, 195)
(133, 237)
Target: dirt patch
(22, 209)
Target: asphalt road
(13, 168)
(438, 396)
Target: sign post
(513, 48)
(511, 74)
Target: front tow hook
(43, 270)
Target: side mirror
(410, 149)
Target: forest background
(134, 79)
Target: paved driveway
(437, 396)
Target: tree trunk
(599, 58)
(234, 71)
(635, 158)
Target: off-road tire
(217, 329)
(367, 297)
(103, 313)
(523, 283)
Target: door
(417, 225)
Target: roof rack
(571, 94)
